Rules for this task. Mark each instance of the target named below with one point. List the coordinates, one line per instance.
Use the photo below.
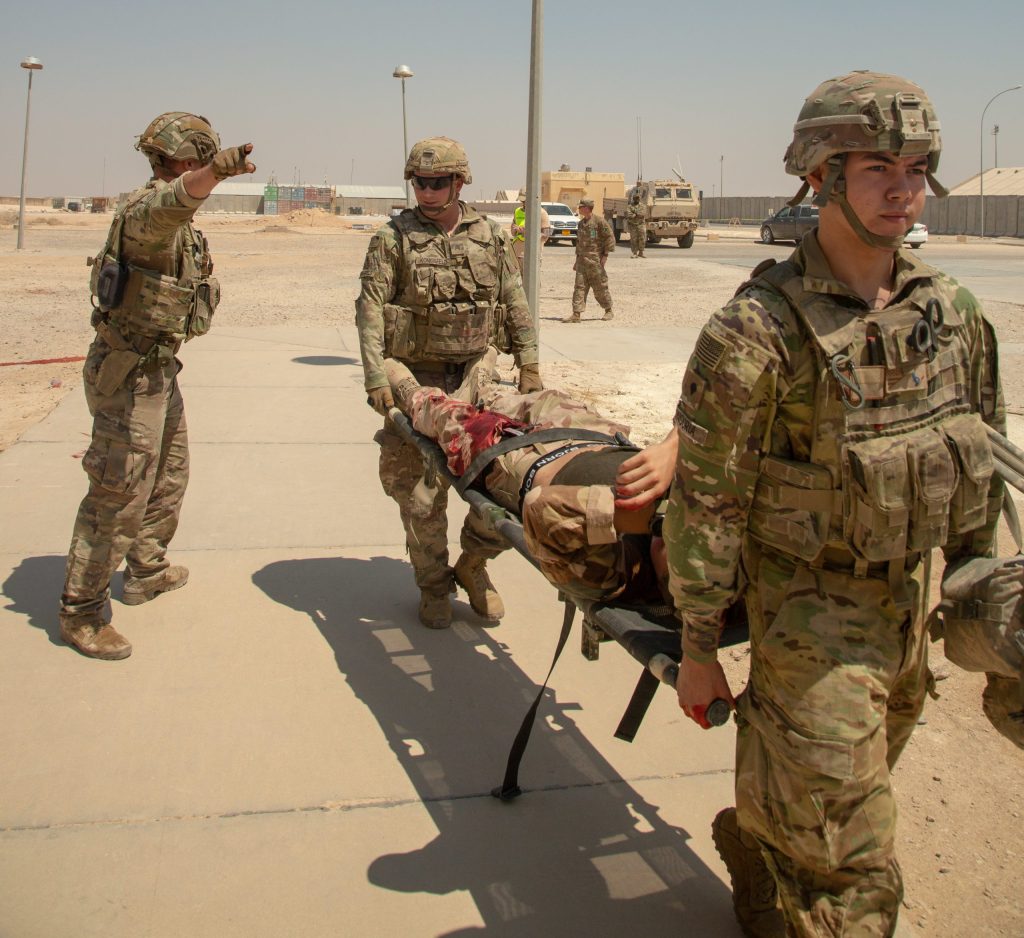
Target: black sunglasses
(432, 182)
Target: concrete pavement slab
(287, 751)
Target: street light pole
(32, 64)
(981, 146)
(531, 249)
(404, 72)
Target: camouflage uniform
(594, 241)
(636, 219)
(821, 514)
(434, 302)
(138, 459)
(568, 525)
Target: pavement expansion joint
(347, 806)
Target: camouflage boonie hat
(180, 136)
(589, 203)
(439, 155)
(865, 112)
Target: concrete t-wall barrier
(958, 214)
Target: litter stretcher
(651, 634)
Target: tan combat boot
(471, 575)
(97, 640)
(755, 896)
(575, 317)
(435, 609)
(608, 314)
(137, 592)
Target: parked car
(563, 222)
(790, 223)
(917, 236)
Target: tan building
(569, 187)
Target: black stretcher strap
(509, 788)
(643, 694)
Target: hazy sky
(309, 83)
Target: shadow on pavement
(325, 360)
(581, 853)
(34, 588)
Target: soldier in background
(439, 284)
(831, 435)
(154, 290)
(519, 229)
(636, 219)
(594, 242)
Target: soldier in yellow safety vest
(519, 228)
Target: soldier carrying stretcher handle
(825, 451)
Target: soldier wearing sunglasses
(439, 284)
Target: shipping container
(270, 192)
(269, 207)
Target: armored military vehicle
(673, 210)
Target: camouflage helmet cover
(179, 136)
(864, 112)
(438, 155)
(586, 202)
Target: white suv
(563, 222)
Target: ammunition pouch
(500, 338)
(445, 332)
(204, 304)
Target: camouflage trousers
(590, 275)
(837, 682)
(137, 465)
(637, 239)
(422, 504)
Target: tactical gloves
(232, 162)
(529, 378)
(380, 400)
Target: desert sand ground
(958, 783)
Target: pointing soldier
(831, 435)
(439, 284)
(594, 242)
(153, 289)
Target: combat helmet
(439, 155)
(862, 112)
(178, 135)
